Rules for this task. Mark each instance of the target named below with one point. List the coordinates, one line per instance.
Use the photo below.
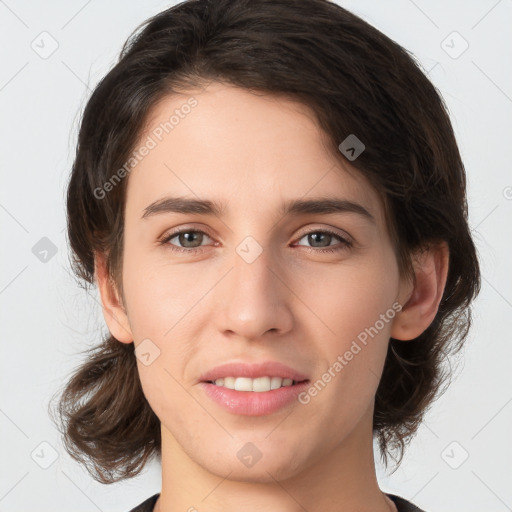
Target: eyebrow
(318, 206)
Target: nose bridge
(253, 269)
(253, 299)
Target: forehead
(250, 150)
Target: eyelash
(345, 244)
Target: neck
(342, 480)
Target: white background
(47, 319)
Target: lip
(253, 370)
(251, 403)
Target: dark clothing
(401, 504)
(146, 506)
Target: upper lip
(253, 370)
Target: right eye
(185, 237)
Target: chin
(260, 461)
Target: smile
(259, 384)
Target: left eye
(324, 238)
(190, 241)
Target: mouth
(253, 389)
(256, 385)
(262, 375)
(254, 397)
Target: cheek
(158, 294)
(351, 296)
(355, 305)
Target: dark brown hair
(356, 81)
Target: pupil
(314, 237)
(188, 237)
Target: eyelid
(345, 240)
(302, 232)
(187, 227)
(328, 229)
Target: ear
(112, 306)
(423, 297)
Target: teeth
(275, 382)
(259, 384)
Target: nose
(254, 298)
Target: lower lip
(253, 403)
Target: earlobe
(431, 271)
(113, 309)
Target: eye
(189, 240)
(322, 238)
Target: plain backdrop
(460, 461)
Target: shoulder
(403, 505)
(146, 506)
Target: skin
(292, 304)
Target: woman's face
(255, 285)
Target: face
(315, 290)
